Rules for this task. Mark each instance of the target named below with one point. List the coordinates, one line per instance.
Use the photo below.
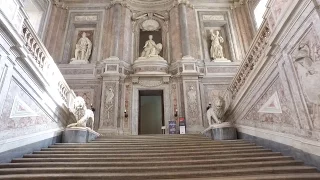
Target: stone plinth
(75, 61)
(221, 60)
(151, 65)
(78, 135)
(223, 131)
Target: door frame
(150, 93)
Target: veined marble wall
(33, 104)
(116, 27)
(282, 102)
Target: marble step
(40, 170)
(147, 145)
(159, 161)
(151, 158)
(157, 149)
(153, 153)
(167, 175)
(304, 176)
(167, 142)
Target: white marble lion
(82, 114)
(216, 111)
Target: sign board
(172, 127)
(182, 125)
(182, 130)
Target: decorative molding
(272, 105)
(21, 109)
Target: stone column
(116, 29)
(116, 6)
(184, 32)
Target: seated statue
(82, 114)
(151, 49)
(83, 48)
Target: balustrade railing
(41, 58)
(252, 58)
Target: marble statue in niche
(151, 49)
(82, 51)
(216, 49)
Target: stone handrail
(252, 58)
(40, 60)
(44, 62)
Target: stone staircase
(157, 157)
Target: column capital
(114, 2)
(185, 2)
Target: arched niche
(141, 33)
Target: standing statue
(83, 48)
(151, 49)
(216, 51)
(82, 114)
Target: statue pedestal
(221, 60)
(151, 65)
(75, 61)
(78, 135)
(223, 131)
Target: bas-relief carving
(278, 6)
(192, 103)
(306, 60)
(15, 126)
(108, 112)
(280, 122)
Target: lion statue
(215, 113)
(82, 114)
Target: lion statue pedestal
(223, 131)
(79, 135)
(78, 132)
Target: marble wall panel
(21, 115)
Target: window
(259, 11)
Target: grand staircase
(157, 157)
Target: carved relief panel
(306, 62)
(109, 106)
(192, 103)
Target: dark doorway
(151, 117)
